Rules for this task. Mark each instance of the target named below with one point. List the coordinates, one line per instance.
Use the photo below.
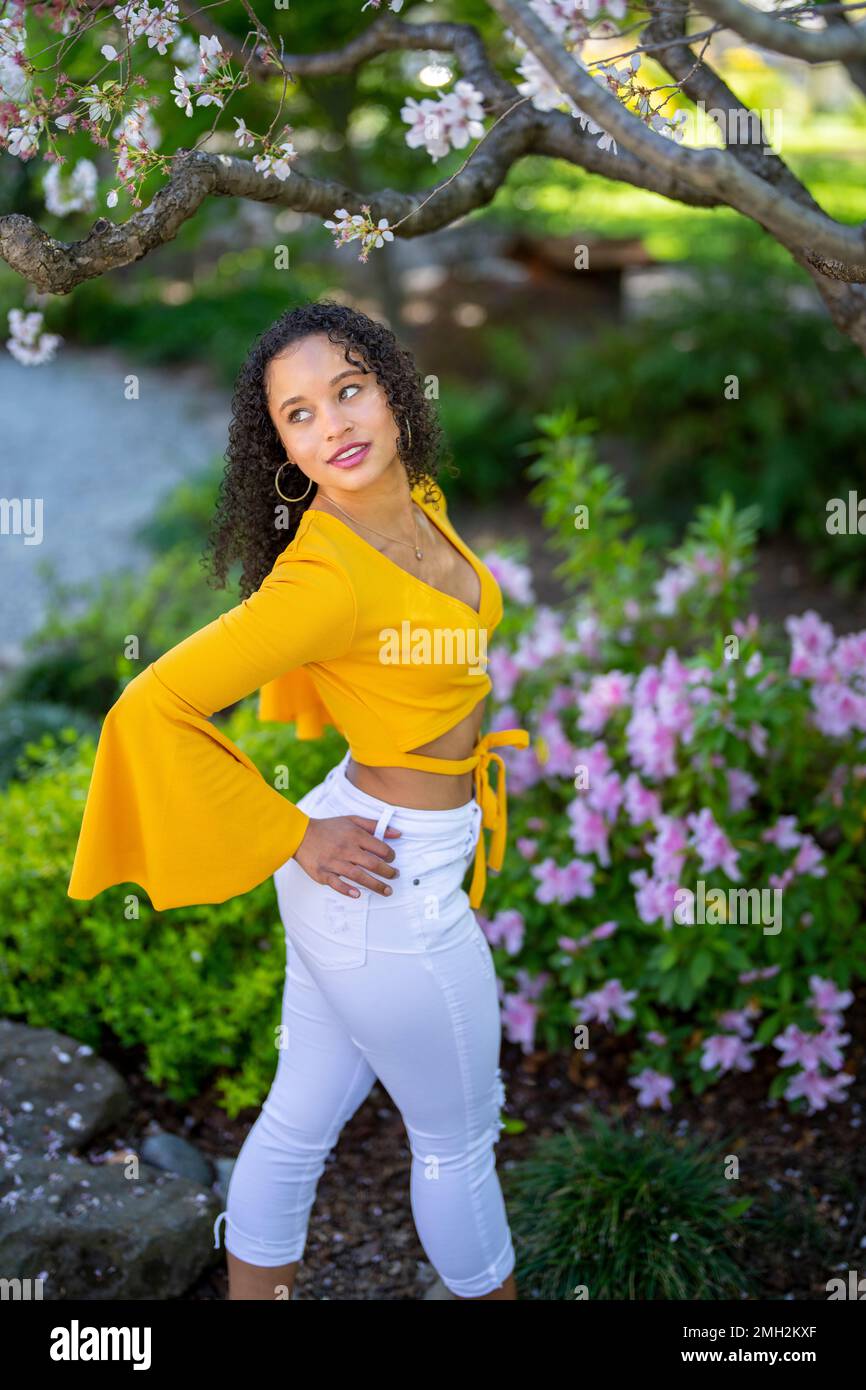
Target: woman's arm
(173, 804)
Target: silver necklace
(419, 553)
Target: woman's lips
(351, 460)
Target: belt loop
(382, 822)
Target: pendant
(419, 554)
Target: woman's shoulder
(312, 541)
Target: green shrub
(192, 986)
(608, 1214)
(25, 723)
(660, 383)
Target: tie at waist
(494, 813)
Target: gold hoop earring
(409, 428)
(282, 494)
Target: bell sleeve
(173, 804)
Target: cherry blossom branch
(838, 43)
(714, 171)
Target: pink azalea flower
(656, 1038)
(737, 1020)
(712, 846)
(651, 746)
(783, 834)
(526, 846)
(519, 1018)
(838, 710)
(668, 849)
(747, 977)
(826, 996)
(560, 758)
(595, 759)
(543, 642)
(605, 795)
(808, 1050)
(848, 657)
(606, 694)
(504, 673)
(811, 640)
(741, 787)
(562, 885)
(818, 1090)
(641, 804)
(809, 859)
(506, 929)
(727, 1052)
(513, 578)
(588, 831)
(606, 929)
(601, 1003)
(654, 898)
(653, 1087)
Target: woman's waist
(412, 787)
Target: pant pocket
(337, 937)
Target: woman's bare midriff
(425, 791)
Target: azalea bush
(681, 753)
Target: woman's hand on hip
(335, 845)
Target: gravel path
(99, 463)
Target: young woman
(374, 618)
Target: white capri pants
(399, 988)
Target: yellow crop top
(175, 806)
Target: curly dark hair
(243, 526)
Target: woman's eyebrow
(352, 371)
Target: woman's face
(320, 404)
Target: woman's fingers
(346, 845)
(359, 875)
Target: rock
(55, 1093)
(174, 1154)
(224, 1168)
(95, 1232)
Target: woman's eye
(301, 408)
